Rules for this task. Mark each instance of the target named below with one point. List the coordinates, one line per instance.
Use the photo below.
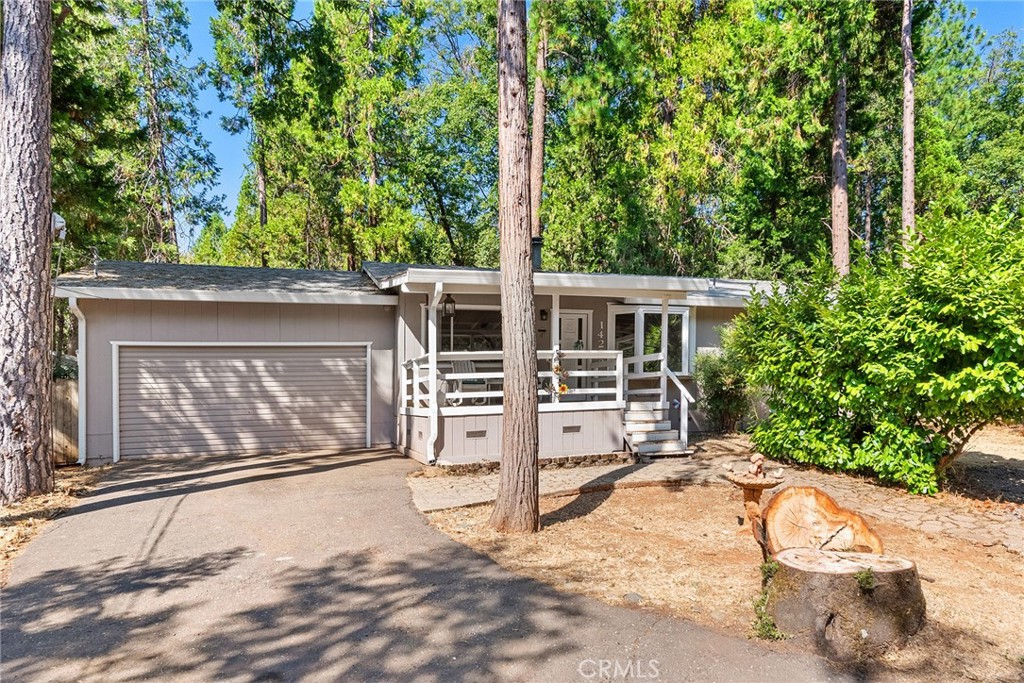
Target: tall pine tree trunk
(516, 508)
(909, 227)
(840, 194)
(371, 134)
(167, 234)
(537, 132)
(869, 187)
(26, 300)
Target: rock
(633, 598)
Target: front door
(573, 333)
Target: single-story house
(188, 360)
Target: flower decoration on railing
(559, 375)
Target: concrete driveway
(315, 567)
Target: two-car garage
(202, 399)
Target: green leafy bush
(893, 369)
(65, 367)
(723, 389)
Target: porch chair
(464, 385)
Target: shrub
(65, 367)
(892, 369)
(723, 389)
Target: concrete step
(647, 405)
(651, 391)
(650, 437)
(646, 415)
(661, 447)
(633, 427)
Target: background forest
(681, 137)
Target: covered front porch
(613, 366)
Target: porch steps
(649, 429)
(662, 448)
(654, 436)
(635, 427)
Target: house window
(676, 341)
(472, 330)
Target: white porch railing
(636, 372)
(474, 379)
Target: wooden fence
(64, 402)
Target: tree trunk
(909, 223)
(26, 239)
(167, 233)
(516, 508)
(840, 198)
(869, 187)
(851, 606)
(537, 132)
(371, 135)
(807, 517)
(261, 181)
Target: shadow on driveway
(355, 616)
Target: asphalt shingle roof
(135, 275)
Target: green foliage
(764, 625)
(768, 571)
(866, 580)
(65, 367)
(681, 137)
(723, 388)
(892, 369)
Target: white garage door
(194, 400)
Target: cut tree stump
(807, 517)
(851, 606)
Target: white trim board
(232, 296)
(115, 367)
(81, 354)
(566, 407)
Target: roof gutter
(82, 356)
(234, 296)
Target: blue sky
(993, 15)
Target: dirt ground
(991, 471)
(686, 552)
(19, 523)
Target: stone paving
(1000, 525)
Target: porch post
(664, 348)
(556, 342)
(432, 398)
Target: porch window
(638, 332)
(652, 340)
(472, 330)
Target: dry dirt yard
(21, 522)
(685, 552)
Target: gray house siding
(189, 321)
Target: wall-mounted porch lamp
(448, 311)
(448, 306)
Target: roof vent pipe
(535, 248)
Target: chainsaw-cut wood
(851, 606)
(806, 517)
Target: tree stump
(807, 517)
(851, 606)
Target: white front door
(572, 334)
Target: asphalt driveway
(315, 567)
